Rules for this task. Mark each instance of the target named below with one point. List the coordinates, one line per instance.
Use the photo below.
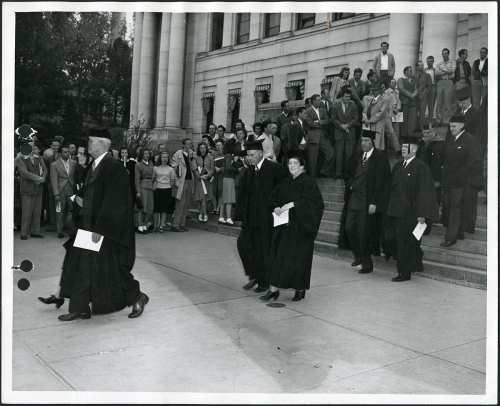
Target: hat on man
(254, 145)
(413, 139)
(369, 134)
(463, 94)
(99, 133)
(457, 119)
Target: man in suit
(366, 186)
(33, 173)
(468, 110)
(184, 164)
(462, 71)
(461, 177)
(394, 105)
(384, 65)
(254, 241)
(326, 104)
(407, 94)
(62, 178)
(423, 83)
(317, 120)
(107, 212)
(374, 115)
(412, 201)
(479, 76)
(270, 142)
(292, 142)
(283, 117)
(432, 91)
(357, 85)
(50, 158)
(344, 120)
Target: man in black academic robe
(105, 209)
(254, 241)
(412, 200)
(461, 178)
(366, 186)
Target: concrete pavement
(201, 332)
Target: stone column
(161, 99)
(286, 23)
(175, 70)
(194, 44)
(116, 22)
(404, 40)
(136, 69)
(148, 68)
(228, 30)
(255, 26)
(440, 31)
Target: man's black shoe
(184, 228)
(447, 244)
(176, 229)
(250, 284)
(367, 270)
(400, 278)
(23, 237)
(261, 289)
(36, 235)
(74, 316)
(138, 307)
(461, 235)
(60, 235)
(356, 262)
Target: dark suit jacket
(316, 130)
(462, 162)
(358, 90)
(339, 118)
(467, 71)
(329, 109)
(422, 82)
(405, 89)
(476, 73)
(59, 177)
(31, 173)
(294, 136)
(281, 120)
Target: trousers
(251, 250)
(453, 202)
(355, 229)
(31, 208)
(183, 204)
(445, 97)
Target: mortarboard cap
(369, 134)
(457, 119)
(99, 133)
(463, 94)
(254, 145)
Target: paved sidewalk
(201, 332)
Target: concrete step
(448, 273)
(334, 206)
(331, 189)
(329, 215)
(333, 197)
(480, 234)
(330, 182)
(466, 246)
(333, 226)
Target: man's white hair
(105, 142)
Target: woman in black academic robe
(292, 244)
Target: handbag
(138, 203)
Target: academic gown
(377, 191)
(254, 241)
(412, 195)
(107, 272)
(291, 256)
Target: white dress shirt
(384, 62)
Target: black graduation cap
(25, 133)
(463, 94)
(413, 139)
(255, 145)
(99, 133)
(457, 119)
(369, 134)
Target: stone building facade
(193, 68)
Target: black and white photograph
(249, 203)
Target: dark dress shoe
(36, 235)
(250, 284)
(270, 295)
(52, 299)
(184, 228)
(356, 262)
(60, 235)
(138, 307)
(177, 229)
(400, 278)
(23, 237)
(367, 270)
(461, 235)
(261, 289)
(299, 295)
(447, 244)
(74, 316)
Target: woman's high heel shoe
(270, 295)
(52, 299)
(299, 294)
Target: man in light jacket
(384, 65)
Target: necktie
(365, 158)
(343, 107)
(462, 112)
(256, 169)
(93, 166)
(454, 139)
(405, 163)
(369, 112)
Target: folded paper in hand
(419, 230)
(84, 240)
(398, 118)
(279, 220)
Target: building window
(262, 94)
(233, 108)
(207, 105)
(273, 21)
(340, 16)
(217, 30)
(295, 90)
(305, 20)
(243, 28)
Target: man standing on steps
(412, 200)
(366, 187)
(254, 241)
(461, 178)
